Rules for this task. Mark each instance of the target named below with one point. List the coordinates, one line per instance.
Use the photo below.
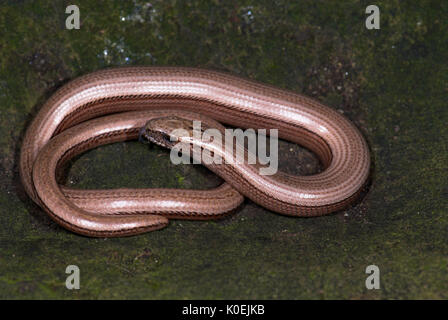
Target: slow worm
(77, 118)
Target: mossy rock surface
(392, 83)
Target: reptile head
(167, 131)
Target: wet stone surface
(392, 83)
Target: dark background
(392, 83)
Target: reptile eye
(167, 138)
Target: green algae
(392, 83)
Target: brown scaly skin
(221, 97)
